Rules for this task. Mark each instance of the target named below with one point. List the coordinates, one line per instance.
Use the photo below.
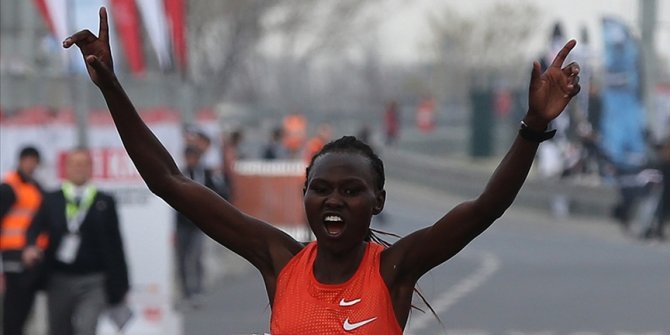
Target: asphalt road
(528, 274)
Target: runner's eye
(351, 191)
(318, 189)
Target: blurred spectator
(85, 261)
(391, 123)
(663, 215)
(295, 131)
(190, 239)
(365, 135)
(503, 102)
(20, 198)
(314, 145)
(231, 153)
(274, 149)
(197, 137)
(595, 160)
(425, 115)
(210, 159)
(633, 181)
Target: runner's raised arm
(264, 246)
(549, 94)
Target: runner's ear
(379, 205)
(377, 209)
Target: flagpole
(188, 90)
(78, 84)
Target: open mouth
(334, 225)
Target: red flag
(44, 11)
(55, 16)
(124, 14)
(174, 10)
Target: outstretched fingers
(563, 54)
(571, 70)
(535, 75)
(85, 36)
(80, 38)
(103, 32)
(570, 80)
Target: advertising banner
(622, 117)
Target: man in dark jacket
(189, 238)
(85, 258)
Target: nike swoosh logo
(351, 326)
(345, 303)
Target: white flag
(155, 23)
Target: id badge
(68, 249)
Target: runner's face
(341, 198)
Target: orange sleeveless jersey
(361, 305)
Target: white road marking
(489, 264)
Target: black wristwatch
(531, 135)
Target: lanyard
(75, 213)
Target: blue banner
(622, 126)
